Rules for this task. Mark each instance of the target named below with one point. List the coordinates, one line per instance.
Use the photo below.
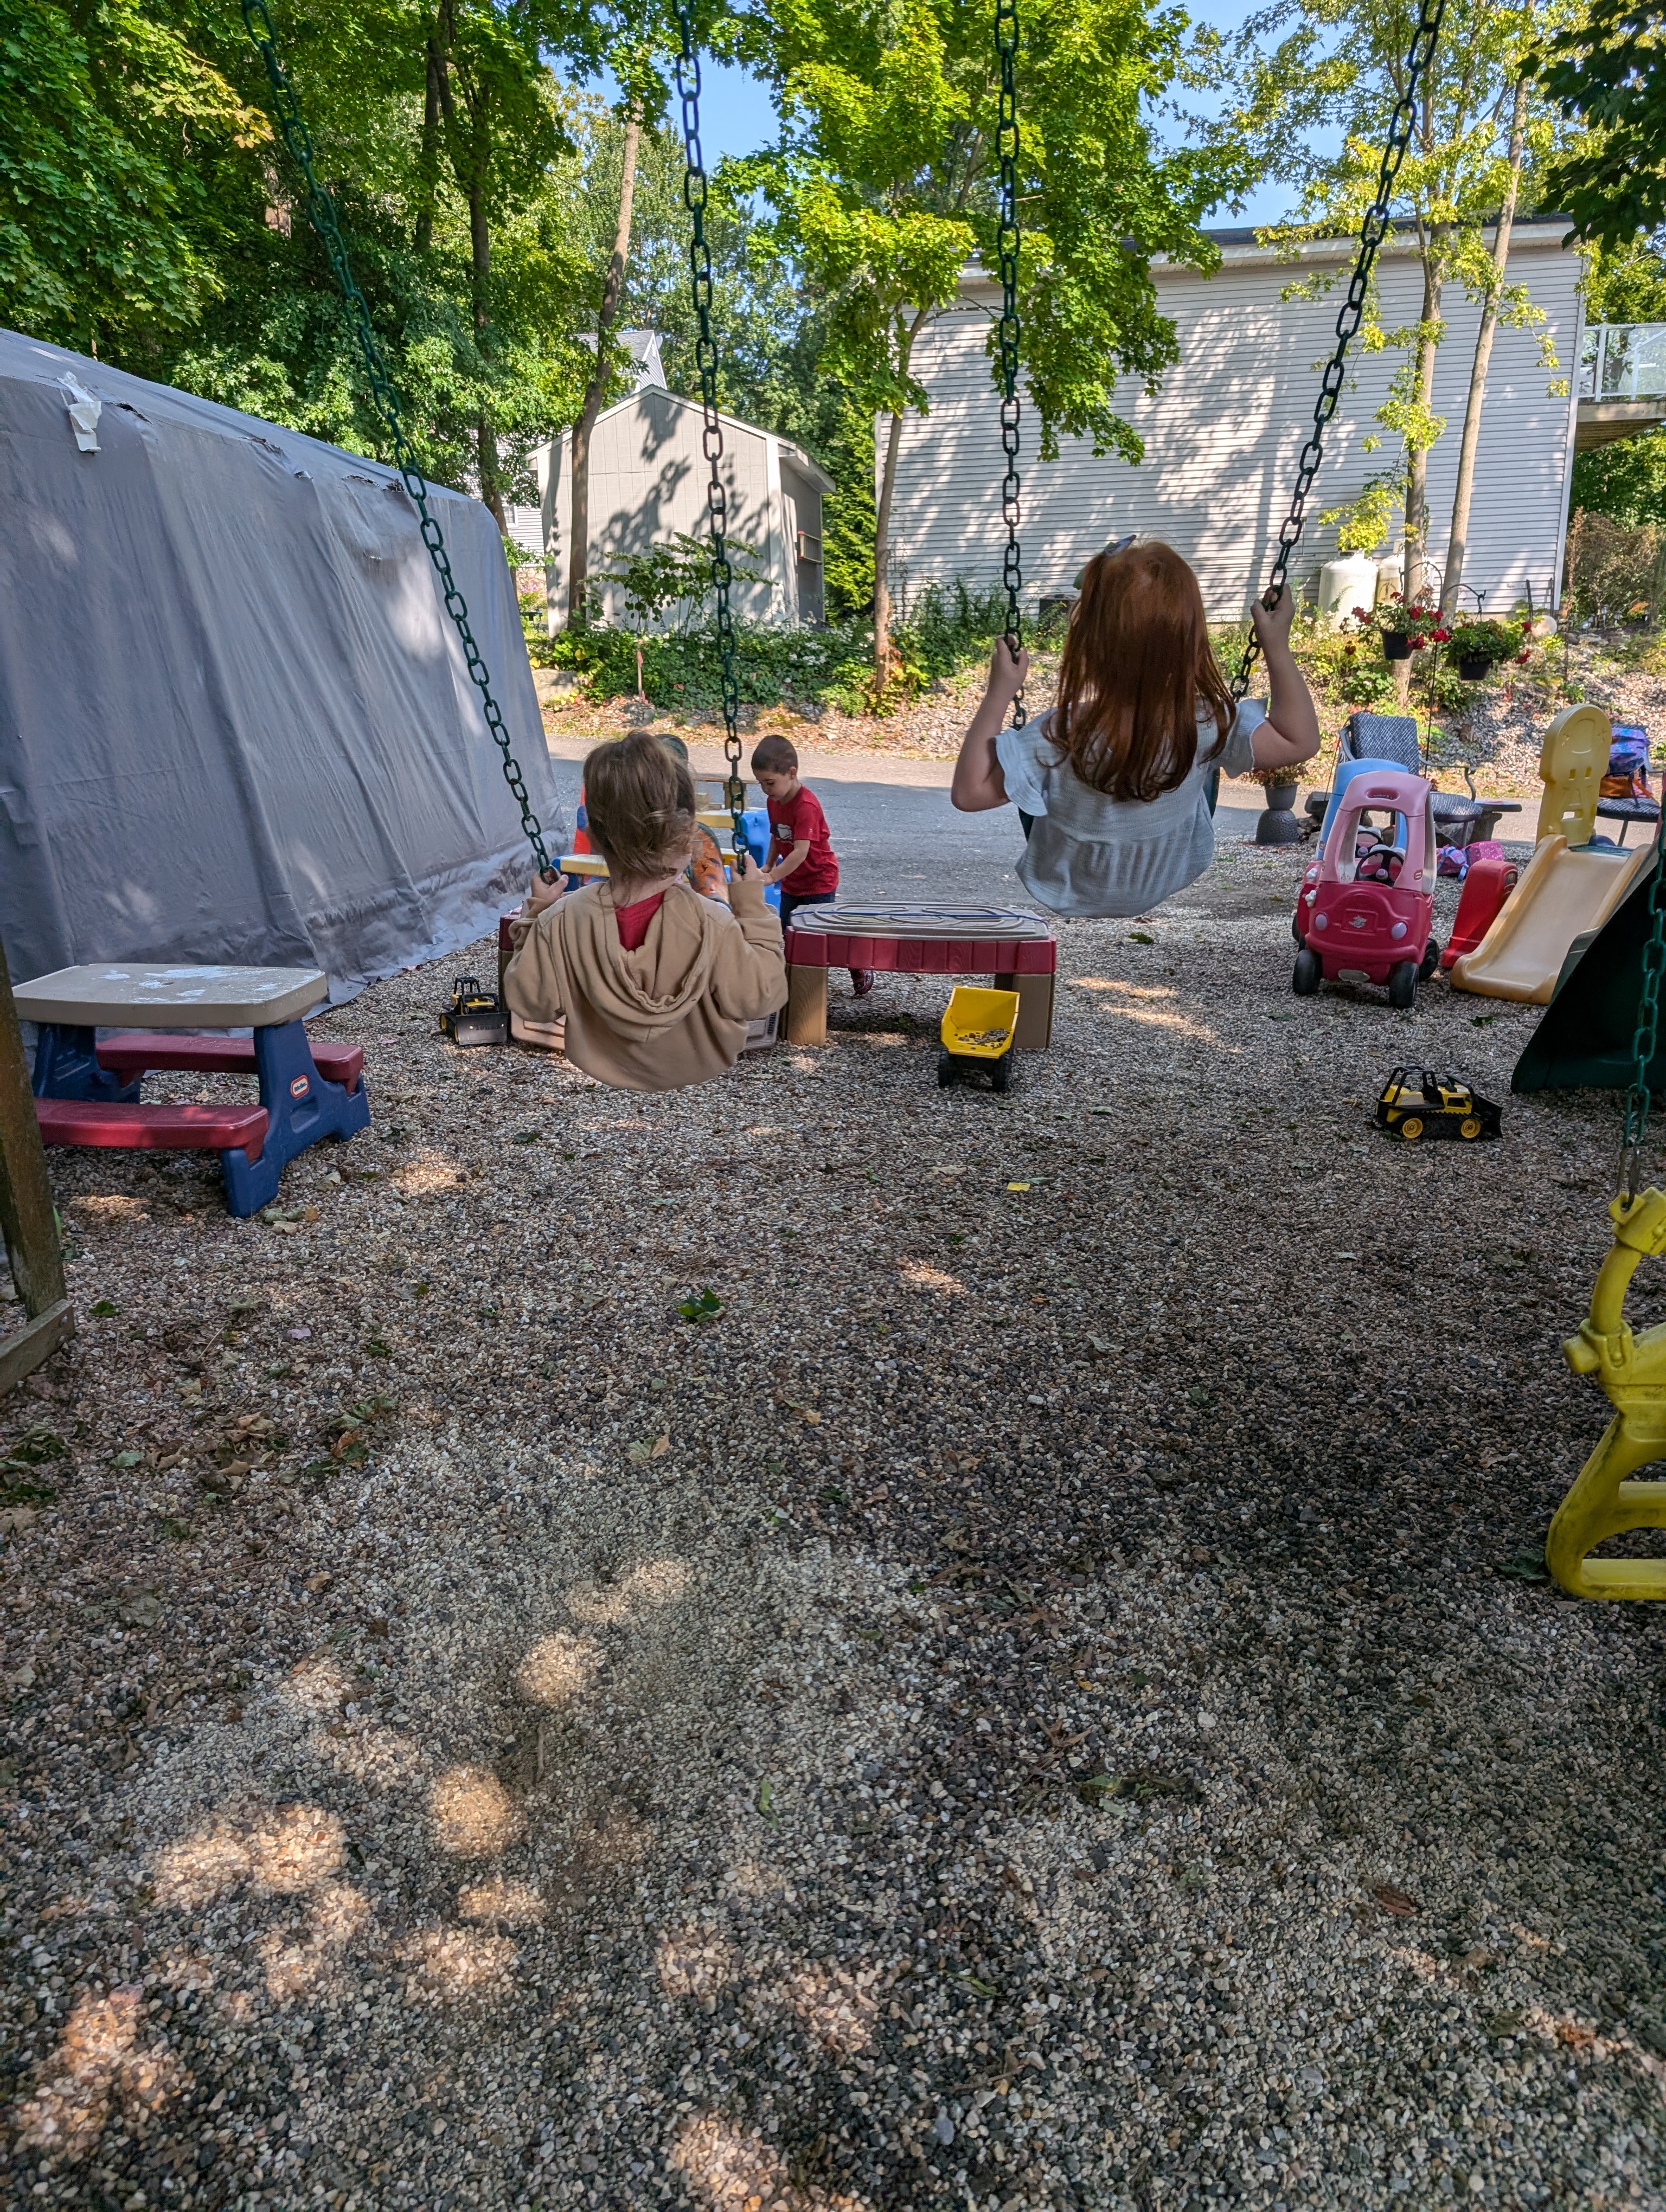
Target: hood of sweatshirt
(639, 994)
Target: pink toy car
(1367, 907)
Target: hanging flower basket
(1477, 645)
(1396, 645)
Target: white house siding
(1224, 434)
(648, 479)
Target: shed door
(803, 518)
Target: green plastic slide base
(1584, 1038)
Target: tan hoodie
(672, 1012)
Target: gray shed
(235, 721)
(648, 476)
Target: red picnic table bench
(1018, 950)
(87, 1088)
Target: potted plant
(1278, 824)
(1408, 627)
(1478, 645)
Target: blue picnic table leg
(301, 1108)
(66, 1066)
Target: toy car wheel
(1000, 1075)
(944, 1070)
(1411, 1129)
(1403, 984)
(1431, 961)
(1296, 928)
(1469, 1128)
(1308, 974)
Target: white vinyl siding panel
(1224, 434)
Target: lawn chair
(1393, 739)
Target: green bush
(946, 633)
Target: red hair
(1136, 667)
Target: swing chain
(1648, 1019)
(321, 213)
(695, 188)
(1373, 231)
(1007, 329)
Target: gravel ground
(1041, 1703)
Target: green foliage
(1484, 639)
(1625, 284)
(1603, 68)
(676, 574)
(1625, 481)
(945, 635)
(1309, 71)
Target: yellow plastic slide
(1561, 893)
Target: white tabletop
(128, 995)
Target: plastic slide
(1562, 894)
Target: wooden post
(806, 1005)
(1034, 1032)
(27, 1219)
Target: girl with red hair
(1112, 783)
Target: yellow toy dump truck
(977, 1034)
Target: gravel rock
(1061, 1723)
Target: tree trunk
(1458, 544)
(578, 534)
(471, 161)
(882, 656)
(480, 256)
(882, 652)
(427, 160)
(1417, 460)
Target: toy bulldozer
(977, 1034)
(474, 1016)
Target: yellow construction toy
(1632, 1372)
(977, 1033)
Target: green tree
(101, 225)
(148, 214)
(881, 190)
(1603, 68)
(1480, 134)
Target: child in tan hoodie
(655, 983)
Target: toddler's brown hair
(640, 806)
(773, 755)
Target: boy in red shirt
(800, 851)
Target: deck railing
(1623, 361)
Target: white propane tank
(1344, 584)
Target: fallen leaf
(16, 1518)
(661, 1446)
(1395, 1901)
(127, 1459)
(319, 1582)
(1526, 1567)
(139, 1609)
(1138, 937)
(1018, 1185)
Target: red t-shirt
(798, 821)
(633, 920)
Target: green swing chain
(1647, 1021)
(1008, 330)
(695, 188)
(1373, 231)
(321, 213)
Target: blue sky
(736, 116)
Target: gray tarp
(235, 721)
